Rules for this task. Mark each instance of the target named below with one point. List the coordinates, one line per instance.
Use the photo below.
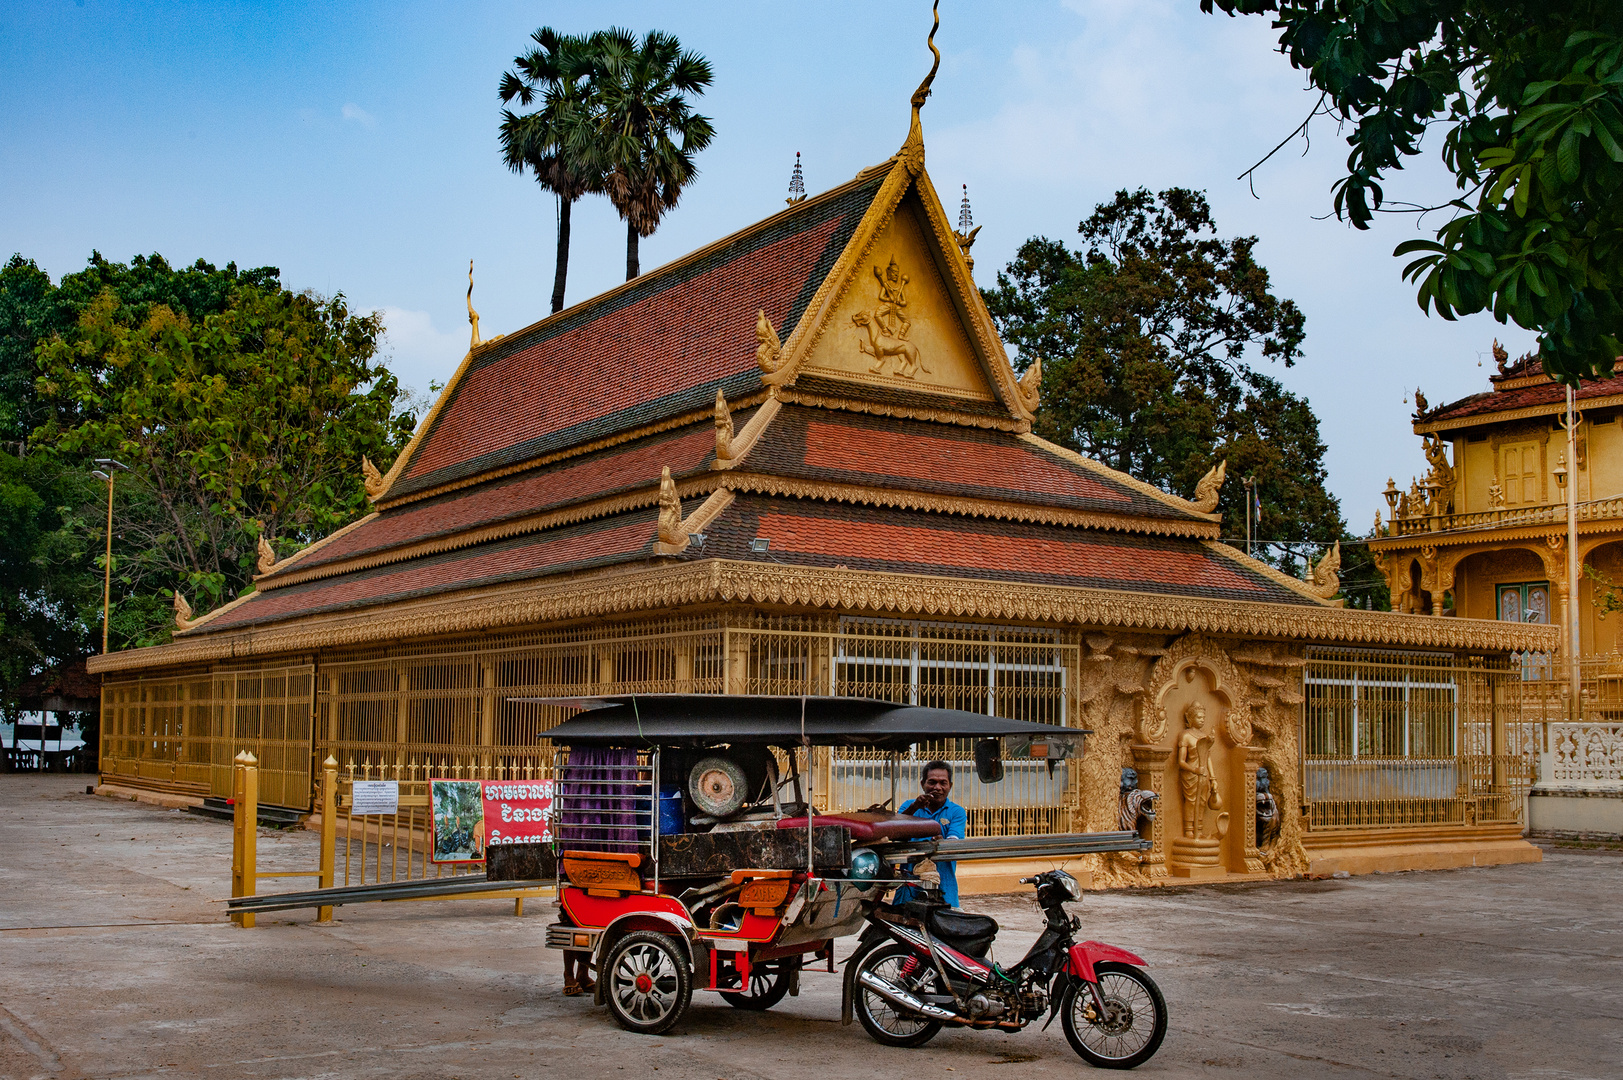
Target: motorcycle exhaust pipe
(897, 996)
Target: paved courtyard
(114, 963)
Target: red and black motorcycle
(921, 966)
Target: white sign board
(375, 797)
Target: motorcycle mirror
(988, 763)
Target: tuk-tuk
(690, 854)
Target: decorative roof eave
(1486, 419)
(1257, 566)
(1125, 479)
(903, 172)
(943, 413)
(1497, 534)
(626, 590)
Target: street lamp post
(107, 573)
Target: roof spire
(797, 184)
(911, 154)
(965, 218)
(473, 316)
(965, 235)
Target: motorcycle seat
(970, 934)
(873, 825)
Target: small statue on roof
(1419, 402)
(183, 613)
(1500, 356)
(267, 555)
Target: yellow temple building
(1484, 535)
(798, 461)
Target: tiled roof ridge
(1127, 479)
(1257, 566)
(606, 299)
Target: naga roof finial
(912, 152)
(473, 316)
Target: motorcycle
(921, 966)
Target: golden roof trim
(1120, 477)
(941, 414)
(1483, 419)
(310, 549)
(1492, 535)
(965, 505)
(616, 590)
(1257, 566)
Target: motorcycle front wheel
(888, 1023)
(1133, 1023)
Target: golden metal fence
(1391, 739)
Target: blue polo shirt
(954, 821)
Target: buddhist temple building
(799, 461)
(1484, 535)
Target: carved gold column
(684, 664)
(1248, 791)
(1151, 763)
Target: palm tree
(553, 142)
(646, 131)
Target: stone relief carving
(1267, 810)
(1205, 821)
(882, 330)
(1137, 804)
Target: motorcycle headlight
(1068, 883)
(865, 867)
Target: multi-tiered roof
(815, 411)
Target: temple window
(1527, 602)
(1521, 474)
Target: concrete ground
(114, 963)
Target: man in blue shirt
(954, 820)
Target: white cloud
(416, 351)
(352, 111)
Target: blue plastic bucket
(671, 820)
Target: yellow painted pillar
(245, 824)
(329, 831)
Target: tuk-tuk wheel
(646, 982)
(769, 982)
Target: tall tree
(1143, 337)
(553, 142)
(244, 422)
(647, 133)
(1529, 94)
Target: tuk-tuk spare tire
(718, 785)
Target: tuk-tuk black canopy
(697, 720)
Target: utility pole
(107, 571)
(1573, 634)
(1250, 484)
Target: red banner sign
(518, 811)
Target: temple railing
(1508, 518)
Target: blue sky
(353, 145)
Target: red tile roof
(594, 543)
(1523, 397)
(659, 347)
(621, 468)
(874, 538)
(920, 456)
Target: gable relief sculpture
(882, 329)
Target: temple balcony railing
(1506, 518)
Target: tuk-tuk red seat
(874, 825)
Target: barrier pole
(236, 830)
(248, 816)
(329, 830)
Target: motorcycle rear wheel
(885, 1022)
(1134, 1023)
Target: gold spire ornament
(966, 231)
(768, 349)
(911, 155)
(183, 613)
(473, 316)
(1031, 385)
(797, 184)
(1327, 575)
(267, 555)
(1206, 491)
(724, 429)
(672, 537)
(371, 477)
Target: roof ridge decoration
(1311, 591)
(1127, 479)
(731, 448)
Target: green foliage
(1531, 99)
(615, 118)
(1143, 336)
(252, 418)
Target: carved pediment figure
(1031, 385)
(670, 511)
(1496, 494)
(1210, 485)
(267, 555)
(183, 613)
(371, 477)
(768, 349)
(1327, 575)
(724, 429)
(883, 329)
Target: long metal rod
(397, 890)
(107, 572)
(1573, 629)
